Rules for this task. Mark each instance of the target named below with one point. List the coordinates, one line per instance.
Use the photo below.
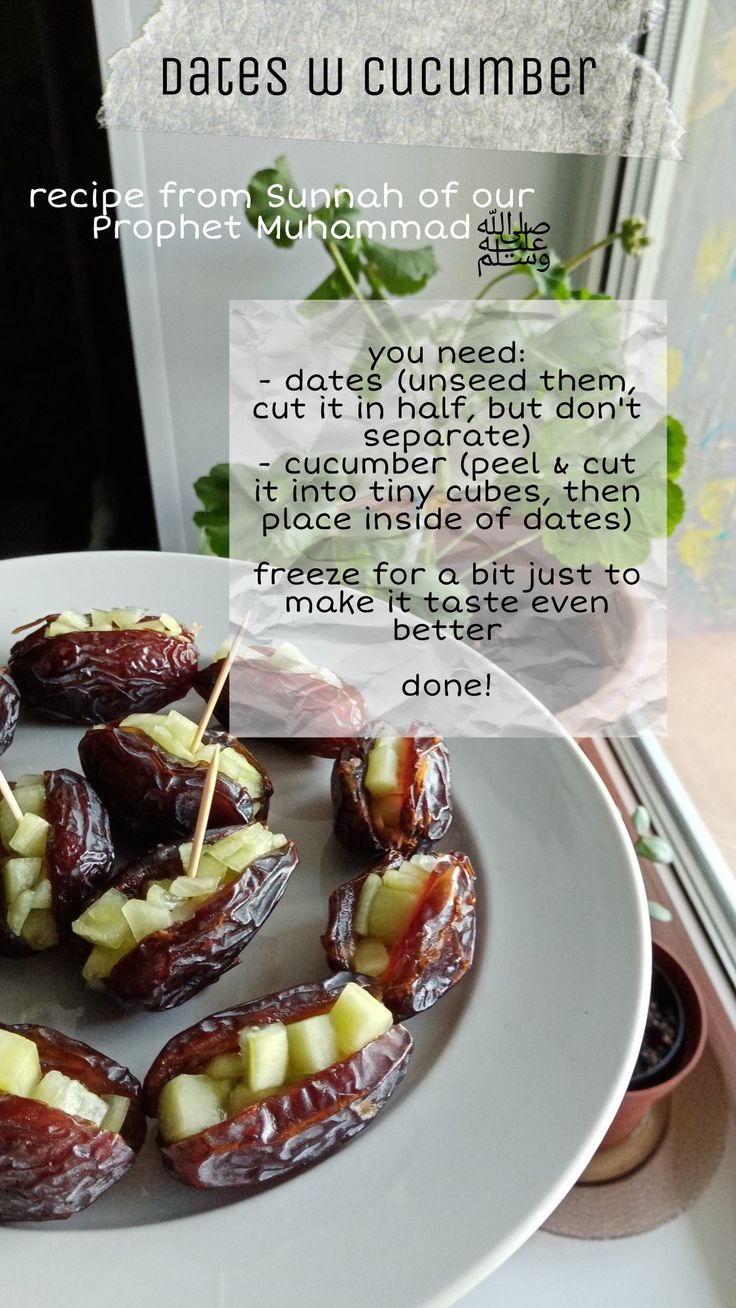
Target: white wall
(178, 296)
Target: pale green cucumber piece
(390, 914)
(30, 836)
(117, 1111)
(42, 894)
(8, 824)
(367, 894)
(18, 911)
(383, 773)
(312, 1045)
(187, 1105)
(210, 866)
(20, 1066)
(39, 929)
(20, 874)
(161, 735)
(371, 957)
(411, 880)
(427, 862)
(144, 918)
(170, 624)
(31, 799)
(59, 1091)
(225, 1067)
(265, 1051)
(242, 848)
(242, 1097)
(123, 618)
(184, 888)
(103, 922)
(101, 961)
(69, 620)
(30, 779)
(181, 727)
(357, 1018)
(238, 769)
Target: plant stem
(510, 272)
(581, 258)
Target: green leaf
(676, 443)
(261, 207)
(675, 506)
(334, 287)
(655, 848)
(641, 821)
(214, 520)
(402, 272)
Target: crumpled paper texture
(592, 669)
(625, 110)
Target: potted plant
(676, 1028)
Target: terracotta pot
(636, 1103)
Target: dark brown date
(168, 967)
(158, 795)
(79, 854)
(296, 1126)
(53, 1165)
(426, 812)
(97, 676)
(278, 701)
(437, 948)
(9, 706)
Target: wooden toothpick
(223, 675)
(10, 799)
(203, 816)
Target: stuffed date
(71, 1124)
(98, 666)
(52, 862)
(281, 691)
(152, 781)
(9, 706)
(392, 792)
(409, 924)
(159, 936)
(253, 1093)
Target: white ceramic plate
(515, 1077)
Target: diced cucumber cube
(170, 624)
(161, 896)
(390, 914)
(30, 836)
(198, 887)
(103, 922)
(357, 1018)
(187, 1105)
(144, 918)
(117, 1111)
(228, 1067)
(161, 735)
(18, 911)
(30, 779)
(59, 1091)
(367, 894)
(31, 799)
(243, 847)
(42, 894)
(69, 620)
(411, 880)
(100, 963)
(427, 862)
(125, 618)
(8, 825)
(20, 874)
(20, 1067)
(238, 769)
(265, 1051)
(39, 929)
(371, 957)
(312, 1045)
(181, 727)
(383, 773)
(242, 1097)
